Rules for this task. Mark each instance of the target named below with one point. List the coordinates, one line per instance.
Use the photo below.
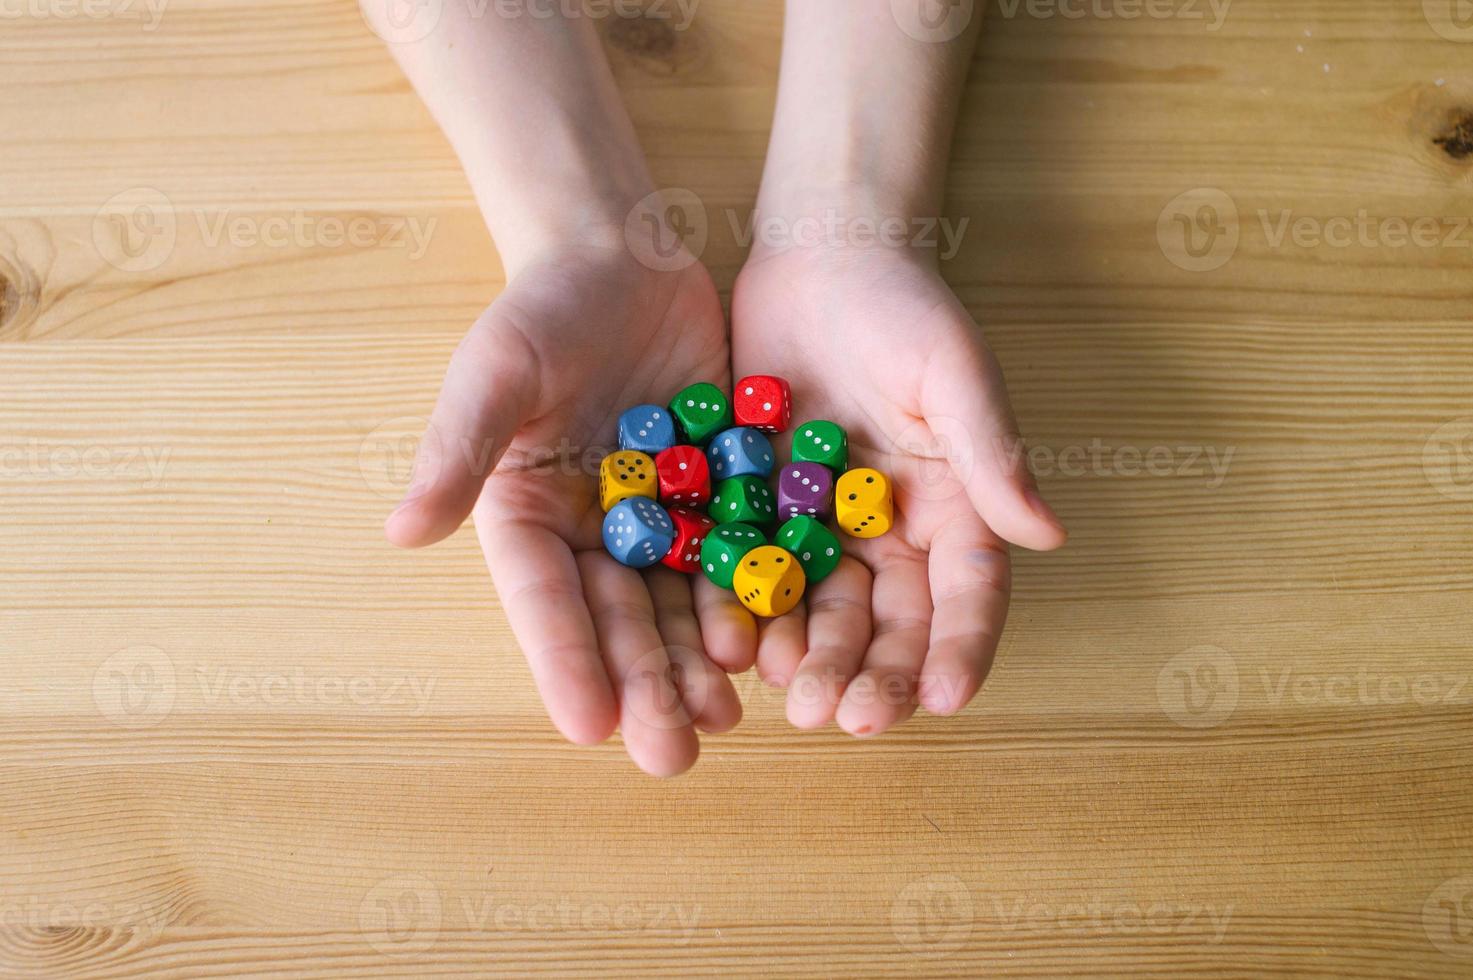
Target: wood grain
(1229, 731)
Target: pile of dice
(653, 467)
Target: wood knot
(9, 298)
(643, 37)
(1457, 142)
(19, 295)
(653, 42)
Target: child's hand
(874, 340)
(543, 375)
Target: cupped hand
(533, 390)
(875, 340)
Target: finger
(488, 392)
(970, 583)
(883, 693)
(727, 628)
(705, 690)
(781, 643)
(657, 729)
(540, 589)
(966, 404)
(839, 631)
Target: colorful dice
(684, 477)
(813, 544)
(863, 504)
(691, 528)
(764, 402)
(625, 474)
(702, 411)
(823, 442)
(742, 498)
(805, 488)
(724, 548)
(647, 429)
(710, 450)
(740, 452)
(638, 532)
(768, 581)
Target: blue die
(739, 452)
(647, 429)
(638, 532)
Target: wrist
(850, 218)
(565, 209)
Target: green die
(823, 442)
(702, 411)
(743, 498)
(725, 547)
(815, 546)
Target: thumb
(988, 455)
(489, 391)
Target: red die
(691, 528)
(763, 401)
(685, 477)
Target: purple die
(805, 489)
(739, 452)
(638, 532)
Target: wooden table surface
(1226, 263)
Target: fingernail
(1043, 510)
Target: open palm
(876, 341)
(537, 384)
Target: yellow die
(768, 581)
(863, 503)
(626, 474)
